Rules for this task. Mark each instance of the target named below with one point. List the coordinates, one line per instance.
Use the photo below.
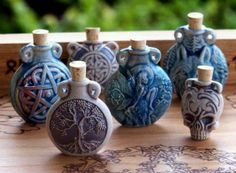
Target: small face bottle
(202, 103)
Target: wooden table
(163, 147)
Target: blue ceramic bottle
(140, 92)
(202, 104)
(34, 85)
(99, 57)
(195, 46)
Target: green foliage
(19, 16)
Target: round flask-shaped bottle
(79, 123)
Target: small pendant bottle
(195, 45)
(79, 123)
(34, 84)
(140, 92)
(202, 103)
(99, 57)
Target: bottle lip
(42, 47)
(93, 42)
(139, 51)
(190, 31)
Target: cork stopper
(195, 20)
(40, 37)
(92, 33)
(138, 44)
(205, 73)
(78, 70)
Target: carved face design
(201, 110)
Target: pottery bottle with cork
(100, 57)
(195, 45)
(79, 123)
(202, 103)
(34, 84)
(140, 92)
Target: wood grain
(10, 45)
(164, 146)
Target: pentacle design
(98, 67)
(78, 127)
(37, 90)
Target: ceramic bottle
(195, 45)
(140, 92)
(100, 57)
(79, 123)
(202, 103)
(34, 85)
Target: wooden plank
(164, 146)
(11, 43)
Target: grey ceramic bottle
(202, 103)
(79, 123)
(99, 57)
(34, 84)
(195, 45)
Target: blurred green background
(19, 16)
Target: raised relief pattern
(38, 89)
(83, 124)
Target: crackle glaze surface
(202, 105)
(140, 92)
(193, 48)
(34, 85)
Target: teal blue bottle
(34, 84)
(195, 45)
(140, 92)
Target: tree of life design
(78, 126)
(98, 67)
(37, 90)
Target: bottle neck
(42, 52)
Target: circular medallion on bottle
(78, 127)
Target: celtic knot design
(98, 67)
(37, 90)
(100, 59)
(78, 126)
